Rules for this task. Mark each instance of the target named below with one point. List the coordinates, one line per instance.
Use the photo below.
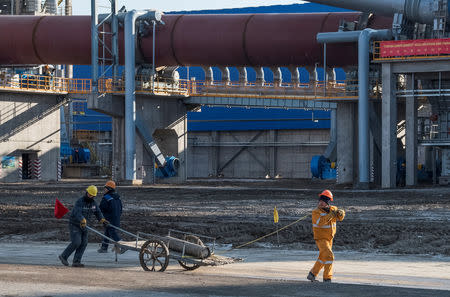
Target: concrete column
(345, 142)
(215, 153)
(388, 128)
(411, 134)
(273, 153)
(118, 141)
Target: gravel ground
(408, 221)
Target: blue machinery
(170, 169)
(322, 168)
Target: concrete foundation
(29, 136)
(346, 144)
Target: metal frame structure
(97, 30)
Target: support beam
(411, 134)
(389, 128)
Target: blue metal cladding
(86, 119)
(241, 119)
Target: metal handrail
(339, 89)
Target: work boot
(102, 250)
(63, 261)
(76, 264)
(311, 277)
(327, 280)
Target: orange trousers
(325, 260)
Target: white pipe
(130, 87)
(130, 99)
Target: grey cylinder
(421, 11)
(190, 249)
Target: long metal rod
(94, 46)
(325, 77)
(115, 38)
(154, 48)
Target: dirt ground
(391, 243)
(407, 221)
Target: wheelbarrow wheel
(188, 265)
(154, 255)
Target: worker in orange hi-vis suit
(324, 219)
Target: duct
(209, 76)
(277, 77)
(130, 99)
(420, 11)
(130, 87)
(242, 75)
(225, 75)
(363, 39)
(331, 74)
(259, 81)
(295, 75)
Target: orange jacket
(324, 224)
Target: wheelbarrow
(155, 251)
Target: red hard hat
(110, 184)
(327, 193)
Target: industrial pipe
(130, 98)
(420, 11)
(363, 37)
(130, 86)
(261, 40)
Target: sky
(83, 7)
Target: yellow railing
(43, 83)
(182, 87)
(377, 55)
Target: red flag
(60, 209)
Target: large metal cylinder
(269, 40)
(421, 11)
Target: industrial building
(386, 123)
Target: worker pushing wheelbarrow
(155, 251)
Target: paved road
(32, 269)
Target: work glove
(340, 214)
(83, 223)
(104, 222)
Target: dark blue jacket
(84, 208)
(111, 207)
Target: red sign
(422, 47)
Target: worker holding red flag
(84, 209)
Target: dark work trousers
(79, 241)
(111, 233)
